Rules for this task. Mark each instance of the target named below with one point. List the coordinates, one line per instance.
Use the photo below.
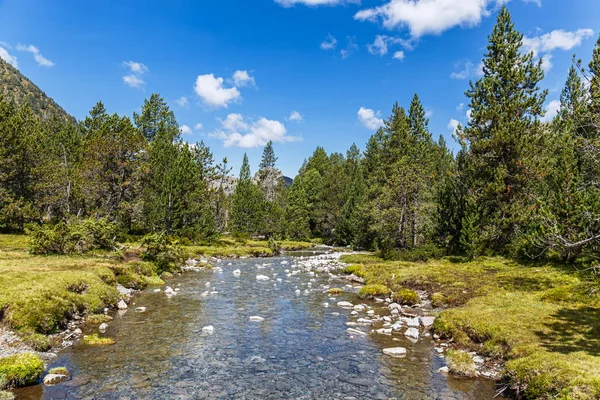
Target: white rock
(427, 321)
(257, 319)
(398, 326)
(387, 319)
(53, 379)
(156, 290)
(478, 359)
(77, 332)
(412, 333)
(169, 291)
(370, 312)
(395, 351)
(103, 327)
(325, 304)
(140, 309)
(354, 312)
(207, 284)
(355, 331)
(122, 305)
(444, 370)
(364, 321)
(359, 307)
(411, 322)
(208, 330)
(345, 304)
(394, 312)
(237, 272)
(395, 306)
(384, 331)
(262, 278)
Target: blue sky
(244, 67)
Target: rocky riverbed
(265, 329)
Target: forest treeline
(517, 187)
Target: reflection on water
(301, 350)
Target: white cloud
(315, 3)
(379, 46)
(136, 67)
(5, 55)
(467, 70)
(295, 116)
(329, 43)
(134, 81)
(399, 55)
(243, 78)
(468, 114)
(428, 113)
(351, 47)
(235, 132)
(551, 110)
(460, 107)
(369, 118)
(182, 102)
(547, 62)
(453, 125)
(557, 39)
(186, 130)
(39, 58)
(212, 92)
(198, 127)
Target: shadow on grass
(573, 330)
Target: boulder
(53, 379)
(412, 333)
(395, 351)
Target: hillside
(15, 87)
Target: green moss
(370, 291)
(335, 291)
(59, 371)
(438, 300)
(461, 363)
(153, 280)
(97, 319)
(95, 340)
(20, 370)
(37, 342)
(166, 276)
(407, 297)
(357, 269)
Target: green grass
(407, 297)
(59, 371)
(20, 370)
(95, 340)
(371, 291)
(227, 247)
(97, 319)
(6, 395)
(357, 269)
(542, 321)
(461, 363)
(335, 291)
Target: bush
(407, 297)
(79, 237)
(370, 291)
(20, 370)
(418, 254)
(165, 253)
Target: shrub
(370, 291)
(461, 363)
(407, 297)
(78, 237)
(20, 370)
(95, 340)
(165, 253)
(275, 246)
(358, 270)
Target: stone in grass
(103, 327)
(395, 351)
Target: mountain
(15, 87)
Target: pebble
(257, 319)
(208, 330)
(395, 351)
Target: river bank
(541, 323)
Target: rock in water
(140, 309)
(257, 319)
(237, 272)
(412, 333)
(345, 304)
(262, 278)
(169, 291)
(395, 351)
(103, 327)
(356, 331)
(208, 330)
(53, 379)
(427, 321)
(122, 305)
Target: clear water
(300, 351)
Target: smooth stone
(53, 379)
(209, 330)
(257, 319)
(122, 305)
(444, 370)
(427, 321)
(395, 351)
(412, 333)
(262, 278)
(237, 272)
(103, 327)
(345, 304)
(356, 331)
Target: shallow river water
(302, 349)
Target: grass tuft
(407, 297)
(370, 291)
(335, 291)
(59, 371)
(461, 363)
(95, 340)
(20, 370)
(357, 269)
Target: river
(302, 349)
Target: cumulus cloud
(369, 118)
(466, 70)
(39, 58)
(136, 69)
(422, 17)
(182, 102)
(556, 40)
(213, 93)
(329, 43)
(399, 55)
(243, 78)
(551, 110)
(295, 116)
(6, 56)
(315, 3)
(185, 130)
(198, 127)
(235, 132)
(453, 125)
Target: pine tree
(156, 118)
(246, 204)
(505, 103)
